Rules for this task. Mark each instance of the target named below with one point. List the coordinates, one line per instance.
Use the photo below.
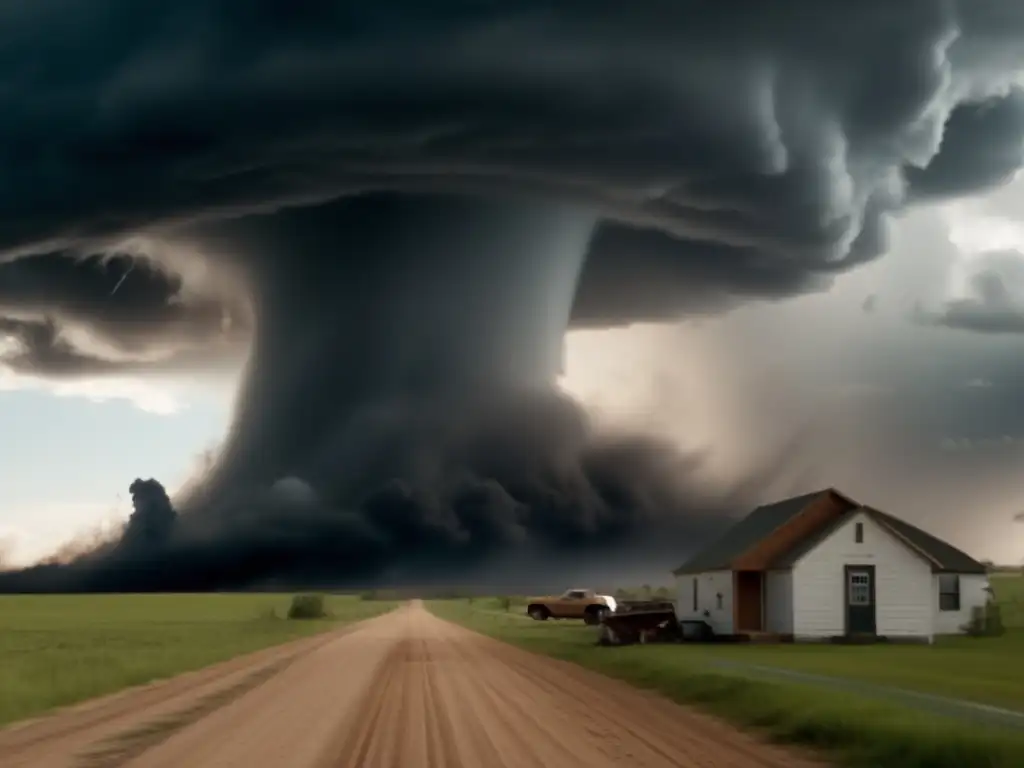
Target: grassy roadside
(56, 650)
(857, 731)
(985, 671)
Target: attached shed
(822, 565)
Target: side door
(559, 606)
(575, 604)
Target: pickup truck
(572, 604)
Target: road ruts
(450, 698)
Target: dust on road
(404, 690)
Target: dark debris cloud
(393, 211)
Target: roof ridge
(796, 496)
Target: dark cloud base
(527, 480)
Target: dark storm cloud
(771, 140)
(995, 300)
(982, 146)
(407, 194)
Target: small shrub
(307, 607)
(986, 621)
(506, 603)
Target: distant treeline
(425, 593)
(1010, 569)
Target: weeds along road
(404, 690)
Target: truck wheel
(539, 613)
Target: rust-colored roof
(768, 518)
(746, 533)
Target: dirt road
(405, 690)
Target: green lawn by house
(987, 671)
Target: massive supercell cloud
(393, 211)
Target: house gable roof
(746, 533)
(759, 524)
(944, 556)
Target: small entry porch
(750, 609)
(748, 606)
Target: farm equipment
(650, 622)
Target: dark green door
(860, 600)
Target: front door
(860, 600)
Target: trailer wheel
(594, 614)
(607, 636)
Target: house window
(718, 601)
(695, 594)
(949, 592)
(858, 533)
(860, 589)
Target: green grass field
(861, 731)
(1009, 591)
(57, 650)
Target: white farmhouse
(823, 566)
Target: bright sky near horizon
(69, 453)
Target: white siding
(904, 599)
(973, 591)
(778, 600)
(709, 586)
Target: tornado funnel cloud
(386, 299)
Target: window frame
(858, 533)
(949, 598)
(858, 589)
